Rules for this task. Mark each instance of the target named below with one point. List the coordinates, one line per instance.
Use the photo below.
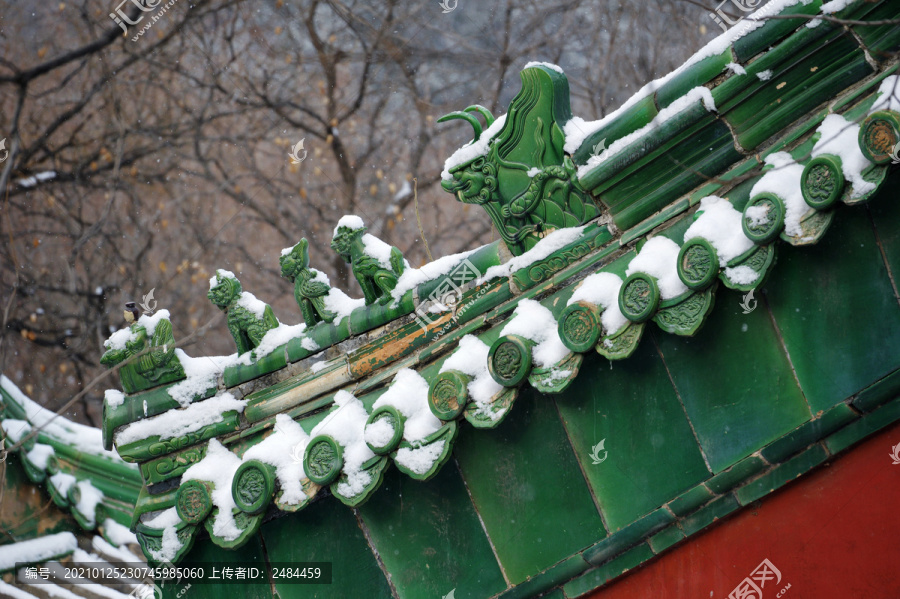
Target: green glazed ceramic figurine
(248, 318)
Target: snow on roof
(88, 498)
(202, 374)
(471, 358)
(37, 550)
(721, 225)
(784, 181)
(78, 436)
(167, 520)
(888, 97)
(346, 424)
(176, 423)
(533, 321)
(284, 450)
(420, 459)
(337, 301)
(409, 394)
(114, 397)
(118, 534)
(834, 6)
(687, 101)
(659, 258)
(63, 482)
(117, 553)
(473, 149)
(546, 246)
(40, 454)
(277, 337)
(15, 429)
(839, 137)
(413, 277)
(577, 130)
(602, 289)
(218, 467)
(8, 590)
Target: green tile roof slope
(94, 485)
(68, 459)
(705, 173)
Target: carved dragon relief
(524, 180)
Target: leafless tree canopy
(147, 164)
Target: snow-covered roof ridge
(56, 428)
(382, 375)
(577, 130)
(66, 459)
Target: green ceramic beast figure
(517, 169)
(376, 265)
(248, 318)
(310, 285)
(155, 362)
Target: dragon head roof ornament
(516, 167)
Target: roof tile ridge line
(368, 536)
(90, 466)
(662, 358)
(487, 535)
(543, 289)
(583, 472)
(720, 117)
(787, 354)
(93, 464)
(265, 554)
(862, 45)
(108, 501)
(884, 258)
(90, 471)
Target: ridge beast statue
(152, 342)
(310, 285)
(248, 318)
(376, 265)
(522, 177)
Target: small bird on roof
(132, 312)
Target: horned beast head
(348, 230)
(295, 260)
(224, 288)
(472, 179)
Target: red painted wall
(833, 533)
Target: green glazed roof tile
(715, 510)
(878, 393)
(597, 577)
(772, 31)
(665, 539)
(674, 418)
(781, 474)
(864, 426)
(512, 514)
(93, 484)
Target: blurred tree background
(147, 164)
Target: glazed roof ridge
(672, 283)
(81, 477)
